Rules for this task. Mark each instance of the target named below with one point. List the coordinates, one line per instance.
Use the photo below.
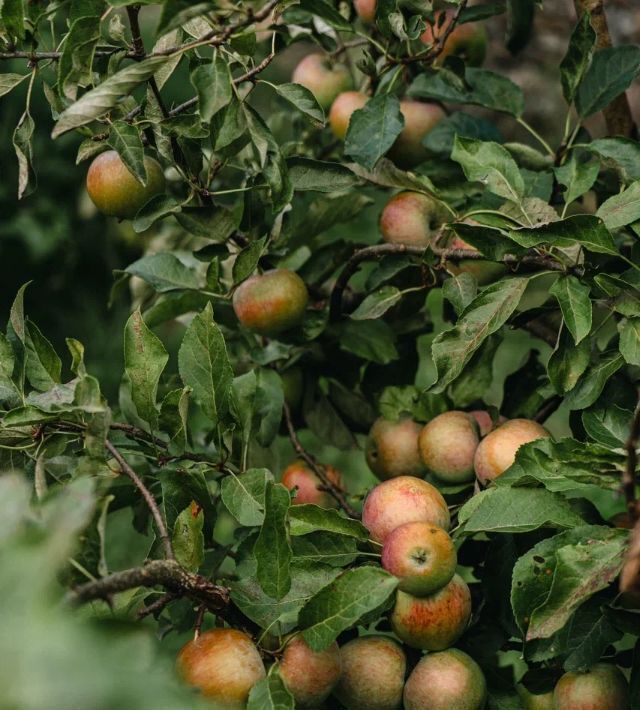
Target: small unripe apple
(535, 701)
(434, 622)
(485, 421)
(422, 556)
(467, 41)
(224, 664)
(483, 270)
(603, 687)
(115, 191)
(400, 500)
(448, 680)
(272, 302)
(366, 10)
(419, 118)
(411, 218)
(309, 675)
(309, 487)
(448, 444)
(324, 79)
(497, 451)
(373, 669)
(342, 109)
(392, 449)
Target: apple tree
(377, 421)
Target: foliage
(186, 460)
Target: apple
(400, 500)
(272, 302)
(419, 118)
(446, 680)
(324, 79)
(497, 451)
(448, 444)
(366, 10)
(224, 664)
(115, 191)
(411, 218)
(342, 109)
(603, 687)
(309, 675)
(308, 486)
(392, 448)
(483, 270)
(434, 622)
(535, 701)
(467, 41)
(485, 421)
(421, 555)
(373, 670)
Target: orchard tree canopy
(379, 381)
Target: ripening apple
(603, 687)
(224, 664)
(421, 555)
(436, 621)
(308, 486)
(342, 109)
(392, 448)
(467, 41)
(447, 680)
(324, 79)
(366, 10)
(448, 444)
(400, 500)
(483, 270)
(497, 451)
(419, 118)
(485, 421)
(535, 701)
(272, 302)
(373, 669)
(115, 191)
(309, 675)
(411, 218)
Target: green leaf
(10, 81)
(611, 72)
(180, 488)
(257, 401)
(324, 548)
(178, 12)
(387, 174)
(624, 153)
(212, 83)
(12, 14)
(371, 339)
(328, 13)
(187, 538)
(243, 495)
(306, 519)
(23, 146)
(440, 138)
(558, 574)
(204, 365)
(608, 425)
(573, 297)
(578, 177)
(485, 88)
(376, 304)
(585, 229)
(105, 96)
(273, 546)
(320, 176)
(590, 387)
(144, 361)
(270, 693)
(9, 393)
(568, 362)
(578, 57)
(340, 605)
(209, 222)
(75, 64)
(630, 340)
(302, 99)
(517, 510)
(174, 412)
(165, 272)
(490, 164)
(125, 139)
(520, 17)
(373, 130)
(42, 364)
(485, 315)
(460, 291)
(621, 209)
(247, 260)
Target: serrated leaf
(387, 174)
(578, 57)
(165, 272)
(212, 83)
(306, 519)
(204, 364)
(273, 546)
(568, 362)
(187, 539)
(624, 153)
(373, 130)
(585, 229)
(125, 139)
(630, 340)
(621, 209)
(23, 146)
(376, 304)
(105, 96)
(243, 495)
(573, 297)
(578, 177)
(10, 81)
(308, 174)
(460, 291)
(302, 99)
(144, 361)
(590, 386)
(42, 364)
(270, 693)
(75, 64)
(611, 72)
(343, 603)
(247, 260)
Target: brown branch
(157, 606)
(617, 114)
(317, 468)
(629, 473)
(547, 408)
(146, 494)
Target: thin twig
(547, 408)
(629, 473)
(146, 494)
(157, 606)
(197, 627)
(317, 468)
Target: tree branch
(317, 468)
(146, 494)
